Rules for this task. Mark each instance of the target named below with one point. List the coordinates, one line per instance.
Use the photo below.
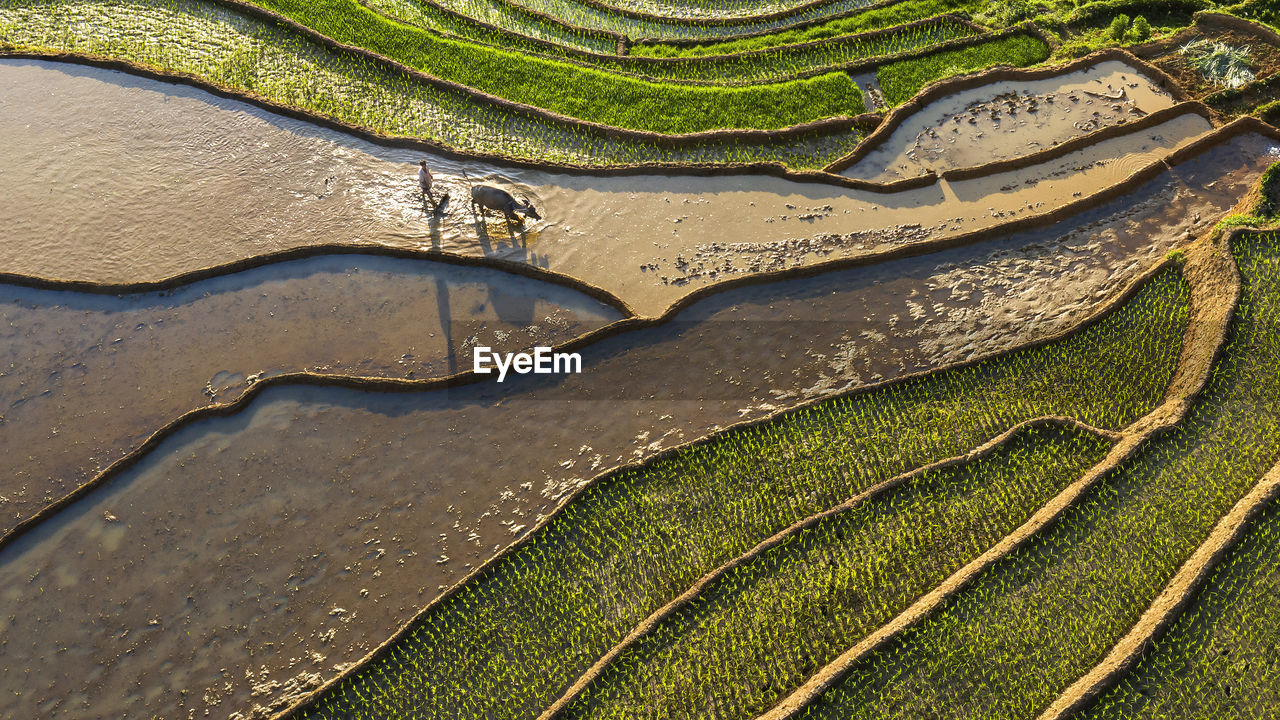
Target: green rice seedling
(516, 27)
(900, 81)
(590, 16)
(765, 626)
(232, 50)
(1219, 63)
(876, 18)
(573, 90)
(1061, 602)
(518, 634)
(706, 9)
(1219, 658)
(767, 65)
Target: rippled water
(291, 538)
(1009, 119)
(170, 179)
(87, 377)
(250, 552)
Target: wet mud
(1011, 119)
(252, 556)
(157, 183)
(86, 378)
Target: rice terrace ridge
(664, 359)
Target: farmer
(424, 182)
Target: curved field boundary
(781, 27)
(1216, 289)
(309, 251)
(650, 623)
(1104, 10)
(364, 133)
(632, 322)
(634, 65)
(1172, 601)
(1133, 181)
(1240, 126)
(1084, 141)
(1207, 19)
(779, 15)
(262, 14)
(378, 652)
(629, 323)
(942, 88)
(624, 42)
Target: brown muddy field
(1005, 120)
(157, 181)
(85, 378)
(250, 556)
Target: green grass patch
(1056, 606)
(513, 639)
(576, 91)
(760, 630)
(899, 13)
(900, 81)
(1219, 659)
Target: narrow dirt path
(1180, 591)
(1215, 290)
(653, 621)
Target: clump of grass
(1219, 63)
(1058, 603)
(900, 81)
(1119, 26)
(513, 639)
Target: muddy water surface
(1010, 119)
(85, 378)
(254, 555)
(162, 179)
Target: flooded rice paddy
(85, 378)
(1005, 120)
(250, 557)
(158, 182)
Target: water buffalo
(489, 198)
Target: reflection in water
(251, 555)
(87, 377)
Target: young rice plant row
(517, 635)
(1061, 602)
(763, 628)
(238, 52)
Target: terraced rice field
(812, 359)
